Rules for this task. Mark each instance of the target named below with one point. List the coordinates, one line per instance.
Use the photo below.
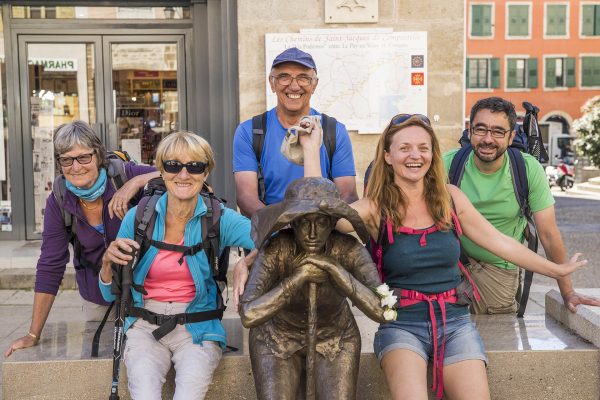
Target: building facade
(546, 52)
(138, 70)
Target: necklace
(86, 206)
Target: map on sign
(365, 78)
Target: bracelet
(32, 335)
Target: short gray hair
(78, 132)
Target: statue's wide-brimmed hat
(304, 196)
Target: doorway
(130, 89)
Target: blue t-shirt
(278, 172)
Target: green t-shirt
(494, 197)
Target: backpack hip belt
(408, 298)
(166, 323)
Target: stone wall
(444, 22)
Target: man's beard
(489, 158)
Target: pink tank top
(169, 281)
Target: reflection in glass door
(145, 96)
(61, 88)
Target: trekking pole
(311, 341)
(121, 313)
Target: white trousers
(148, 360)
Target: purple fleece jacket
(55, 242)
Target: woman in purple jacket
(97, 209)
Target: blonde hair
(389, 197)
(184, 142)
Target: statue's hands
(324, 262)
(240, 276)
(309, 272)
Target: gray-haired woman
(97, 208)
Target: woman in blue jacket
(175, 284)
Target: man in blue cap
(293, 79)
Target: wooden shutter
(550, 72)
(511, 66)
(477, 20)
(532, 73)
(518, 20)
(467, 67)
(495, 73)
(570, 71)
(486, 13)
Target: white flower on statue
(389, 301)
(383, 291)
(390, 314)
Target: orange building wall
(565, 100)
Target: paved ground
(578, 218)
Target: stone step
(588, 187)
(595, 180)
(534, 358)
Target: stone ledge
(531, 358)
(24, 279)
(585, 323)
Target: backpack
(145, 218)
(115, 171)
(527, 140)
(259, 129)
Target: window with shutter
(481, 20)
(478, 73)
(556, 19)
(518, 20)
(590, 19)
(590, 71)
(518, 71)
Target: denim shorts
(462, 339)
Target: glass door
(60, 85)
(145, 79)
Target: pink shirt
(169, 281)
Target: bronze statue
(295, 300)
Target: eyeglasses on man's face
(287, 79)
(81, 159)
(482, 130)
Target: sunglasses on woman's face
(400, 118)
(192, 167)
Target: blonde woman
(175, 283)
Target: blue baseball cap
(295, 55)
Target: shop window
(521, 73)
(590, 71)
(481, 20)
(483, 73)
(590, 19)
(556, 19)
(560, 72)
(517, 20)
(43, 12)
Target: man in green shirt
(487, 182)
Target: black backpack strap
(96, 339)
(457, 167)
(521, 188)
(259, 129)
(329, 125)
(145, 217)
(166, 323)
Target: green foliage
(588, 129)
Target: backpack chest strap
(184, 250)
